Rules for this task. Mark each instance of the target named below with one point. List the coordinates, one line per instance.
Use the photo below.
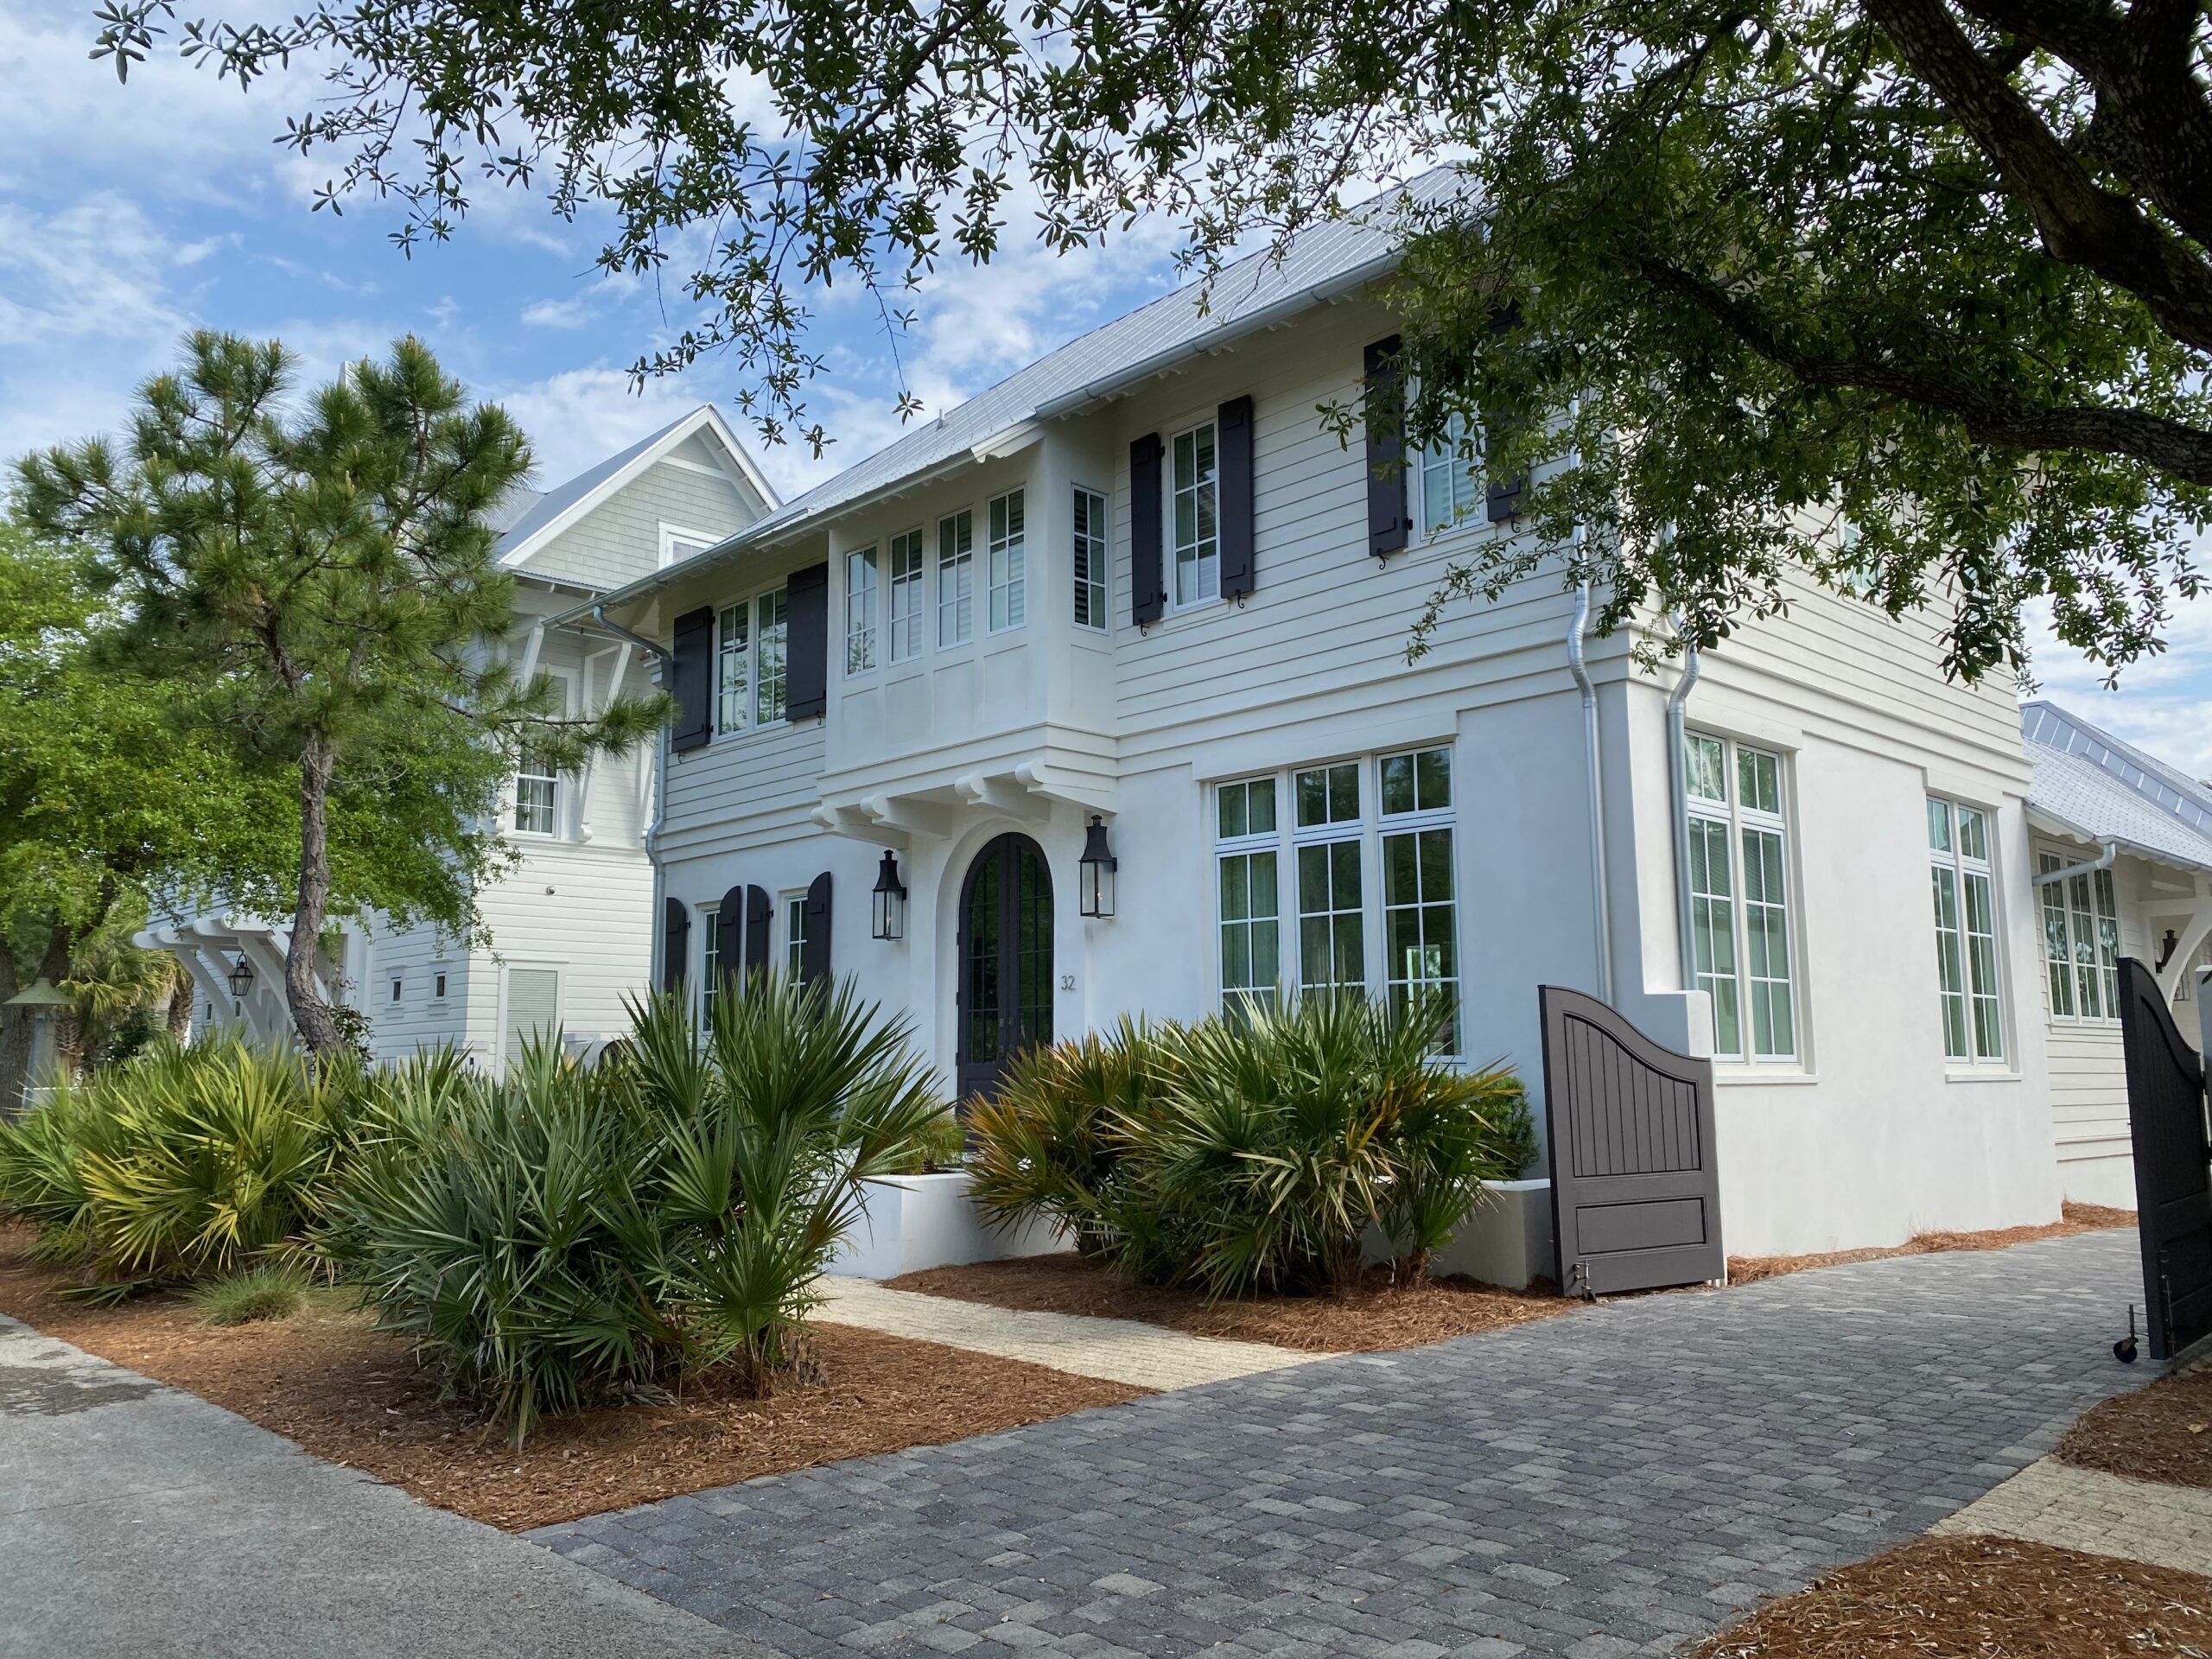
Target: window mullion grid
(1421, 825)
(1772, 994)
(1248, 911)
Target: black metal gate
(2173, 1164)
(1636, 1191)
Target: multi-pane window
(1965, 930)
(1194, 511)
(795, 935)
(1452, 487)
(1246, 858)
(1332, 909)
(1008, 562)
(2080, 942)
(955, 578)
(710, 963)
(1091, 556)
(860, 610)
(906, 600)
(1739, 897)
(537, 793)
(1347, 820)
(750, 637)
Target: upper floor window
(1965, 930)
(537, 793)
(1194, 511)
(955, 578)
(904, 622)
(2080, 942)
(676, 545)
(1088, 541)
(1739, 897)
(1452, 485)
(1010, 563)
(860, 610)
(750, 637)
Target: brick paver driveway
(1593, 1485)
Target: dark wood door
(1005, 991)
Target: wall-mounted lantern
(890, 900)
(1094, 883)
(241, 977)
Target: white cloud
(556, 313)
(2163, 705)
(577, 418)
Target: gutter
(1678, 791)
(1601, 893)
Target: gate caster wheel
(2124, 1350)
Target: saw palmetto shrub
(1253, 1152)
(562, 1238)
(183, 1163)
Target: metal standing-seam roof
(1332, 259)
(2105, 790)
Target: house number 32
(1067, 981)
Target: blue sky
(131, 214)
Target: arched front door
(1004, 993)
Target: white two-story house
(569, 933)
(1138, 600)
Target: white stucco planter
(929, 1221)
(1506, 1242)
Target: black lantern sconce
(890, 900)
(241, 977)
(1094, 883)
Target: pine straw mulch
(2161, 1433)
(1372, 1316)
(2073, 1219)
(1978, 1598)
(327, 1381)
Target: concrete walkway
(1120, 1350)
(137, 1521)
(1616, 1482)
(2055, 1502)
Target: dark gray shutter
(814, 955)
(692, 676)
(759, 917)
(674, 943)
(1148, 579)
(1388, 522)
(730, 933)
(1233, 454)
(806, 691)
(1504, 492)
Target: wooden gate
(1635, 1193)
(2173, 1164)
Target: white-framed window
(537, 793)
(439, 975)
(1246, 857)
(860, 610)
(750, 640)
(677, 544)
(1452, 484)
(1194, 514)
(2080, 943)
(955, 578)
(794, 934)
(710, 961)
(1092, 558)
(772, 640)
(906, 596)
(1370, 847)
(1740, 923)
(1008, 562)
(1965, 930)
(399, 988)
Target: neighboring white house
(2123, 850)
(1139, 597)
(569, 924)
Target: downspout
(2103, 860)
(1599, 887)
(1678, 797)
(665, 657)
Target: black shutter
(806, 689)
(730, 933)
(1388, 522)
(814, 955)
(1504, 492)
(674, 943)
(759, 917)
(692, 674)
(1147, 580)
(1233, 454)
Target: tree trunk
(179, 1016)
(15, 1024)
(310, 1014)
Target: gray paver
(1623, 1479)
